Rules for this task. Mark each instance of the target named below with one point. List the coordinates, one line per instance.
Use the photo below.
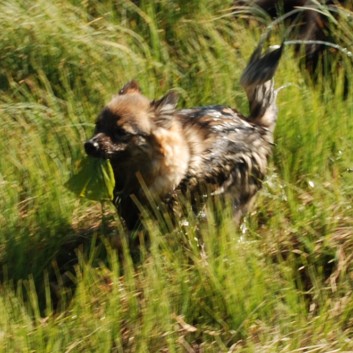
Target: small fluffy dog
(159, 153)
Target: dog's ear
(130, 87)
(164, 108)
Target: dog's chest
(171, 162)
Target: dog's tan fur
(157, 151)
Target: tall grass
(280, 283)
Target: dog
(159, 153)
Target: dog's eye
(120, 133)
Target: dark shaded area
(307, 24)
(53, 256)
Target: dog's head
(141, 138)
(125, 128)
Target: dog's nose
(91, 147)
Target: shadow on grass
(50, 257)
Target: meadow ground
(281, 283)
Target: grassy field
(281, 283)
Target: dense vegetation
(280, 283)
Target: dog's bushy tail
(257, 80)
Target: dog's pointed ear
(164, 108)
(130, 87)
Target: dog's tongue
(93, 179)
